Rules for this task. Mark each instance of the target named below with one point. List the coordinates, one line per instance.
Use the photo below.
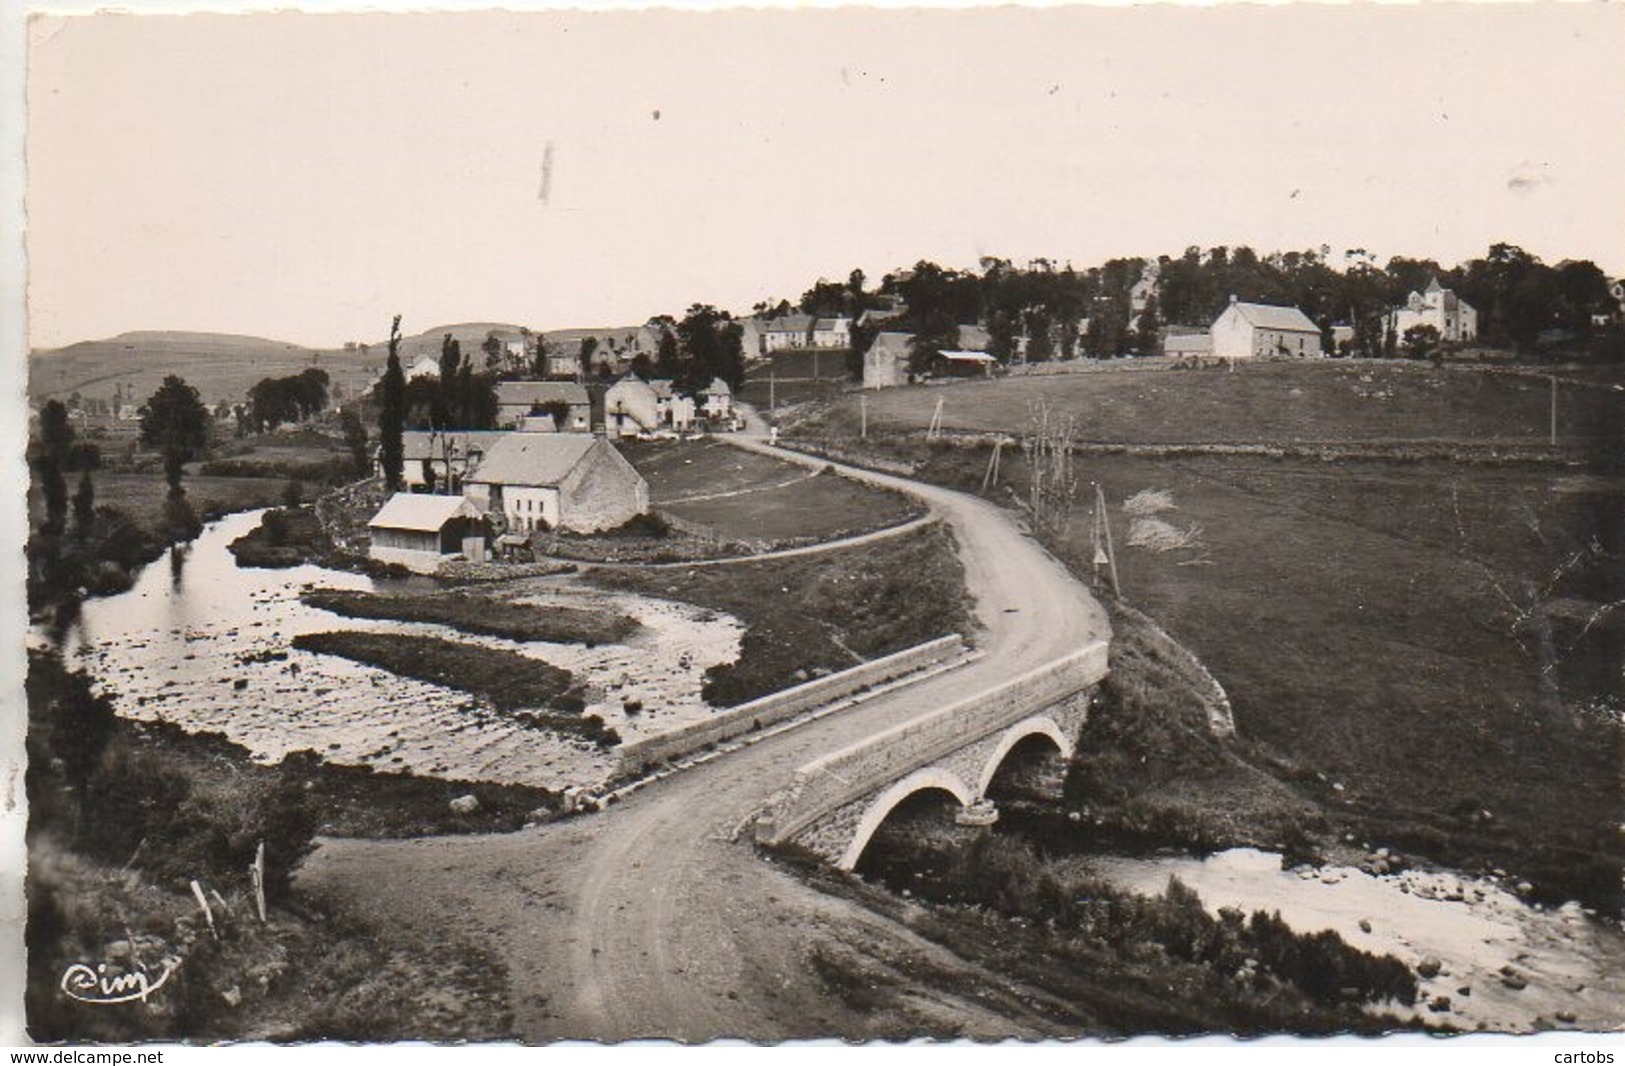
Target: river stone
(1515, 981)
(465, 804)
(1429, 967)
(1440, 1005)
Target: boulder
(1429, 967)
(465, 804)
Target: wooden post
(257, 873)
(863, 417)
(208, 915)
(1106, 526)
(772, 393)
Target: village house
(541, 481)
(832, 332)
(1251, 331)
(717, 400)
(680, 412)
(431, 457)
(520, 405)
(1454, 318)
(631, 407)
(427, 366)
(885, 364)
(751, 339)
(420, 532)
(787, 332)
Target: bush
(648, 524)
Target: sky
(305, 177)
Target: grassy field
(1262, 402)
(815, 614)
(1423, 649)
(741, 496)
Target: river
(1568, 962)
(205, 644)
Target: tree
(355, 439)
(392, 413)
(84, 507)
(176, 423)
(50, 458)
(1149, 338)
(667, 354)
(538, 365)
(589, 345)
(493, 351)
(1420, 341)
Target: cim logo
(88, 985)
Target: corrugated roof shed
(410, 510)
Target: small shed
(420, 532)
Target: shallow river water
(200, 645)
(1568, 962)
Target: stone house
(631, 407)
(1253, 331)
(716, 400)
(885, 364)
(519, 406)
(447, 455)
(789, 331)
(539, 481)
(420, 531)
(832, 332)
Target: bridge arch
(931, 777)
(1039, 725)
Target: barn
(420, 532)
(540, 481)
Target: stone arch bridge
(1024, 728)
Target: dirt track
(657, 918)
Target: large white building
(885, 364)
(1439, 307)
(1255, 331)
(539, 481)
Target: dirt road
(657, 918)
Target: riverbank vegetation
(533, 693)
(1111, 963)
(475, 613)
(124, 817)
(811, 615)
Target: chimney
(1233, 298)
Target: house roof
(661, 387)
(890, 344)
(967, 357)
(830, 323)
(1188, 342)
(531, 393)
(718, 387)
(429, 514)
(1268, 316)
(418, 444)
(532, 459)
(789, 324)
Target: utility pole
(1554, 410)
(863, 417)
(772, 393)
(935, 427)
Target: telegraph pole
(772, 393)
(863, 417)
(1106, 528)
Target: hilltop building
(1439, 307)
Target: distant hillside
(220, 366)
(225, 366)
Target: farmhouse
(434, 456)
(1454, 318)
(717, 400)
(885, 364)
(790, 331)
(539, 481)
(631, 407)
(1247, 331)
(420, 532)
(832, 332)
(520, 405)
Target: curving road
(656, 917)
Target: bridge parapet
(949, 741)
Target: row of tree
(1055, 312)
(277, 401)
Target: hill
(221, 366)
